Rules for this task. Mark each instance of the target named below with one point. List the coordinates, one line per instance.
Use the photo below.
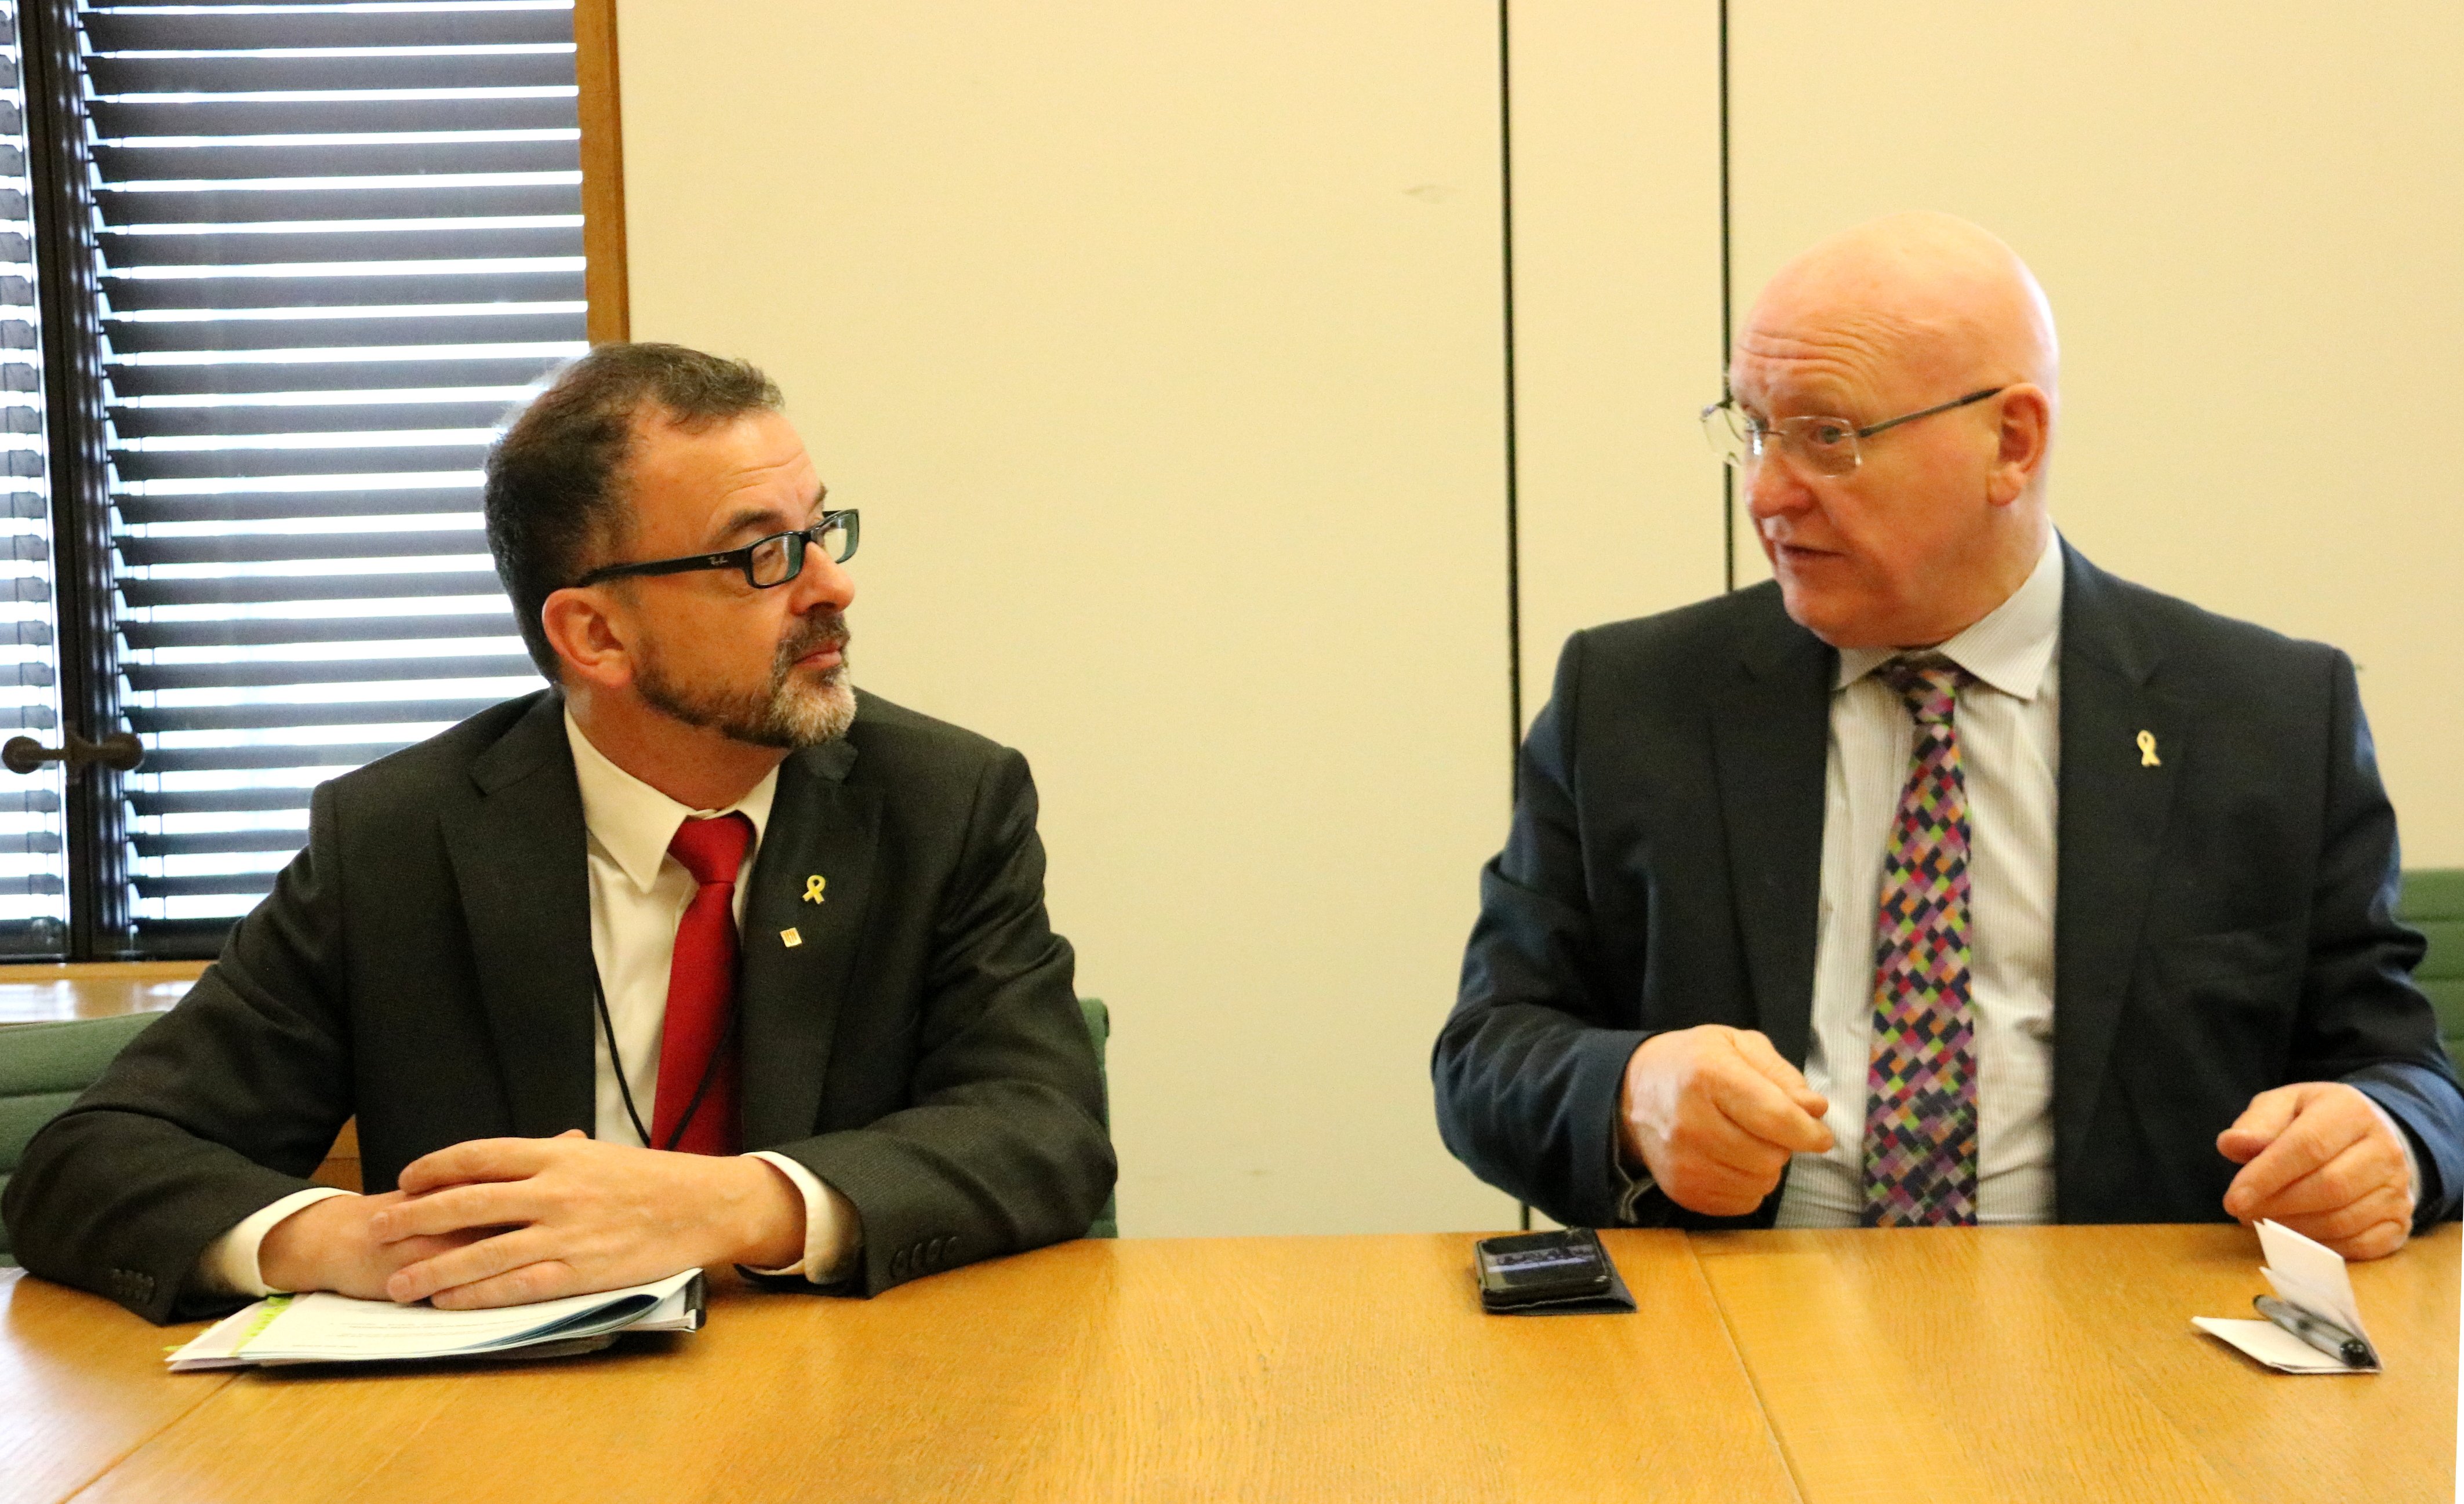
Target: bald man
(1946, 878)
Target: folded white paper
(2311, 1276)
(332, 1328)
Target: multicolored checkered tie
(1920, 1084)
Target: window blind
(33, 890)
(337, 242)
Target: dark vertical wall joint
(1514, 519)
(1513, 516)
(1727, 314)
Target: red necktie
(701, 993)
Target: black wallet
(1546, 1273)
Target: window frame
(62, 173)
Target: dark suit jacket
(2224, 921)
(425, 963)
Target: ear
(589, 629)
(2025, 436)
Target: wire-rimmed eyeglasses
(766, 563)
(1828, 445)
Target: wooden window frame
(603, 171)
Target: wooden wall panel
(1160, 346)
(1616, 314)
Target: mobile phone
(1541, 1269)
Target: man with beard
(567, 962)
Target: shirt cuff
(1631, 1185)
(228, 1267)
(833, 1231)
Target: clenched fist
(1713, 1113)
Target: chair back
(2434, 903)
(1099, 1028)
(42, 1069)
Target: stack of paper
(331, 1328)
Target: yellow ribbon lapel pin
(814, 885)
(2148, 757)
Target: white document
(2312, 1278)
(331, 1328)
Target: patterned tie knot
(1929, 683)
(712, 850)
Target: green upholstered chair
(2434, 903)
(42, 1069)
(1099, 1027)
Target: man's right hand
(1713, 1113)
(325, 1245)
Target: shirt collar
(2008, 648)
(633, 823)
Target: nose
(825, 582)
(1775, 488)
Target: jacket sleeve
(2361, 1019)
(1002, 1146)
(1528, 1067)
(224, 1105)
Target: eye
(1828, 431)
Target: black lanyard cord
(624, 1088)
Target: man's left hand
(574, 1216)
(2320, 1158)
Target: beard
(791, 710)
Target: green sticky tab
(275, 1306)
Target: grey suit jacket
(424, 964)
(2224, 919)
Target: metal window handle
(120, 749)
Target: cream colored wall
(1160, 346)
(1616, 314)
(2251, 222)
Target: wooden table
(30, 995)
(2022, 1363)
(2052, 1362)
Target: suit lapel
(520, 862)
(2114, 808)
(790, 994)
(1771, 735)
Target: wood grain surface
(2002, 1365)
(2009, 1364)
(36, 994)
(81, 1385)
(1351, 1368)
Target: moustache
(823, 631)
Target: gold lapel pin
(813, 887)
(789, 938)
(2148, 757)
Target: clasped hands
(1714, 1113)
(497, 1222)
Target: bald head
(1929, 294)
(1944, 517)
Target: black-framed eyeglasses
(1830, 445)
(766, 563)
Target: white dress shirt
(2008, 722)
(638, 894)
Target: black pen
(2317, 1331)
